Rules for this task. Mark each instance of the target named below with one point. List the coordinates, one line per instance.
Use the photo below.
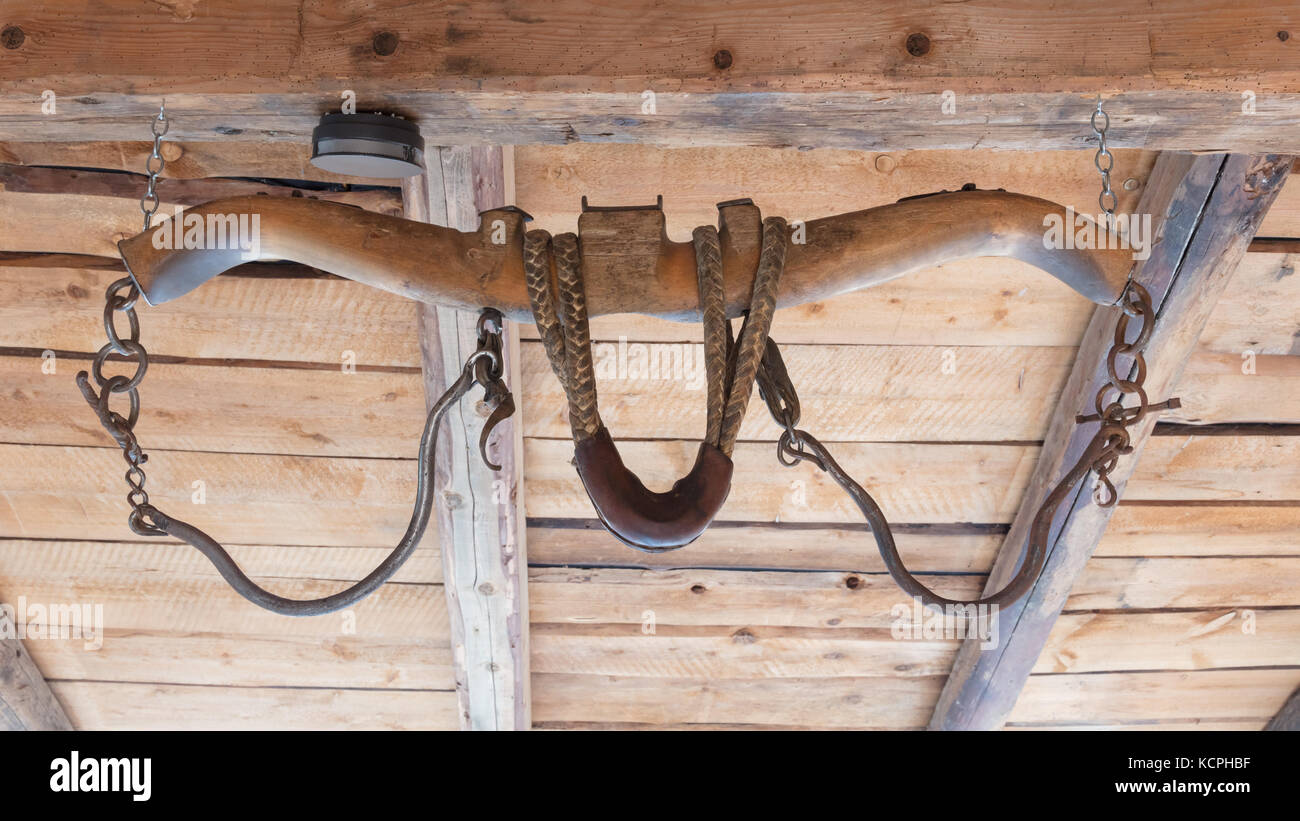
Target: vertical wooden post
(479, 512)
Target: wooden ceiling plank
(1208, 208)
(480, 527)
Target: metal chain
(149, 202)
(776, 389)
(1116, 419)
(1105, 162)
(121, 297)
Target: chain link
(1116, 419)
(1105, 162)
(154, 165)
(121, 298)
(776, 389)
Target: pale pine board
(155, 559)
(247, 318)
(1176, 582)
(1217, 388)
(1194, 725)
(78, 493)
(770, 547)
(1194, 640)
(206, 604)
(849, 703)
(75, 223)
(551, 180)
(211, 408)
(836, 601)
(1214, 695)
(1260, 311)
(1218, 468)
(962, 483)
(1201, 530)
(1283, 217)
(106, 705)
(724, 652)
(71, 223)
(272, 660)
(168, 616)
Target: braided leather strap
(640, 517)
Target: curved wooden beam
(629, 264)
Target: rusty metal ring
(112, 386)
(118, 301)
(130, 348)
(1135, 297)
(791, 446)
(1139, 362)
(142, 521)
(1121, 332)
(110, 326)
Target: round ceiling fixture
(367, 145)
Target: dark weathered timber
(851, 119)
(36, 180)
(1210, 207)
(1228, 429)
(1288, 718)
(26, 702)
(1275, 245)
(36, 259)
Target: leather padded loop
(638, 516)
(641, 518)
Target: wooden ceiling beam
(1206, 209)
(908, 75)
(481, 528)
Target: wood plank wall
(777, 617)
